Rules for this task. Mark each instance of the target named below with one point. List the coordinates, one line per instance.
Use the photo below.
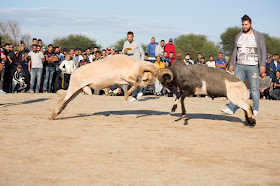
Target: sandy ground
(107, 141)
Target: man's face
(211, 58)
(57, 50)
(199, 56)
(103, 52)
(158, 59)
(277, 74)
(11, 47)
(34, 42)
(263, 75)
(162, 43)
(67, 57)
(220, 56)
(170, 55)
(130, 37)
(71, 51)
(85, 57)
(95, 49)
(88, 51)
(50, 48)
(38, 48)
(97, 55)
(7, 47)
(276, 57)
(34, 48)
(202, 60)
(178, 57)
(40, 43)
(246, 25)
(113, 52)
(165, 54)
(146, 58)
(153, 40)
(76, 52)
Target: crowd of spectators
(38, 68)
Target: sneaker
(2, 92)
(139, 95)
(37, 91)
(133, 99)
(255, 112)
(227, 111)
(30, 91)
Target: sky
(109, 21)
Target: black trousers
(66, 81)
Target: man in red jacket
(170, 47)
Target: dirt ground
(107, 141)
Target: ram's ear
(165, 76)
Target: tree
(10, 32)
(272, 44)
(228, 39)
(75, 41)
(194, 44)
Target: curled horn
(148, 68)
(165, 72)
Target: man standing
(51, 58)
(248, 60)
(160, 48)
(220, 62)
(151, 47)
(35, 66)
(133, 49)
(273, 65)
(2, 70)
(169, 47)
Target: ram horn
(165, 72)
(148, 68)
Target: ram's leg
(135, 85)
(183, 105)
(178, 95)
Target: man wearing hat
(178, 61)
(169, 47)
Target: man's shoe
(139, 95)
(227, 111)
(133, 99)
(30, 91)
(37, 91)
(2, 92)
(255, 112)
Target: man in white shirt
(160, 48)
(133, 49)
(35, 66)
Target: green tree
(272, 44)
(194, 44)
(228, 39)
(75, 41)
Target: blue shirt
(151, 49)
(221, 62)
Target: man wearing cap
(169, 47)
(178, 61)
(152, 47)
(187, 60)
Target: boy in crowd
(158, 86)
(18, 80)
(84, 61)
(274, 90)
(67, 67)
(203, 61)
(211, 63)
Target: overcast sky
(108, 21)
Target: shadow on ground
(23, 102)
(144, 113)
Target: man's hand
(262, 70)
(230, 68)
(21, 84)
(1, 66)
(262, 90)
(125, 50)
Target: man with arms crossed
(248, 60)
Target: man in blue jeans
(35, 66)
(51, 58)
(248, 59)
